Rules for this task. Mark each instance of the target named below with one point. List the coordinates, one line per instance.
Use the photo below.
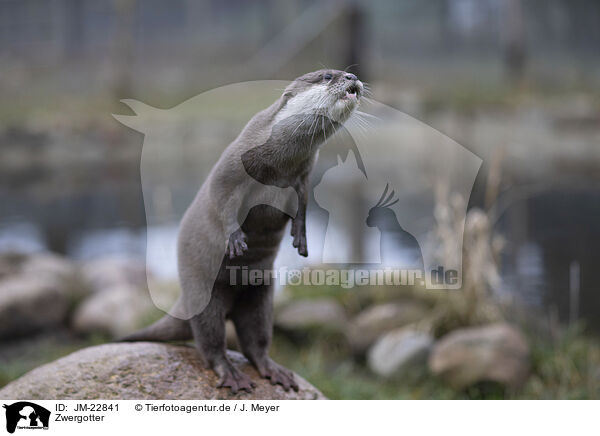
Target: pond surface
(553, 250)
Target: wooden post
(356, 39)
(574, 286)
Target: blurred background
(514, 81)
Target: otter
(237, 219)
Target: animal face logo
(377, 148)
(26, 415)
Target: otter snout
(353, 90)
(349, 90)
(352, 87)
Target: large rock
(53, 267)
(377, 320)
(322, 313)
(496, 352)
(41, 265)
(29, 304)
(36, 292)
(400, 352)
(140, 370)
(10, 263)
(116, 311)
(109, 272)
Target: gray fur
(238, 218)
(164, 330)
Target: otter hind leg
(252, 316)
(208, 329)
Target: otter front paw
(299, 234)
(237, 244)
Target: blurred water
(24, 237)
(158, 244)
(545, 234)
(525, 273)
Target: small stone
(109, 272)
(496, 352)
(50, 266)
(323, 313)
(116, 311)
(30, 304)
(377, 320)
(400, 352)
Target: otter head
(330, 93)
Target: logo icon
(26, 415)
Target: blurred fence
(222, 34)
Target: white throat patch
(313, 100)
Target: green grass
(42, 351)
(327, 364)
(565, 368)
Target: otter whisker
(361, 122)
(367, 90)
(365, 114)
(350, 66)
(362, 127)
(368, 100)
(355, 121)
(313, 117)
(332, 125)
(299, 124)
(315, 122)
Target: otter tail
(165, 329)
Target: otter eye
(327, 76)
